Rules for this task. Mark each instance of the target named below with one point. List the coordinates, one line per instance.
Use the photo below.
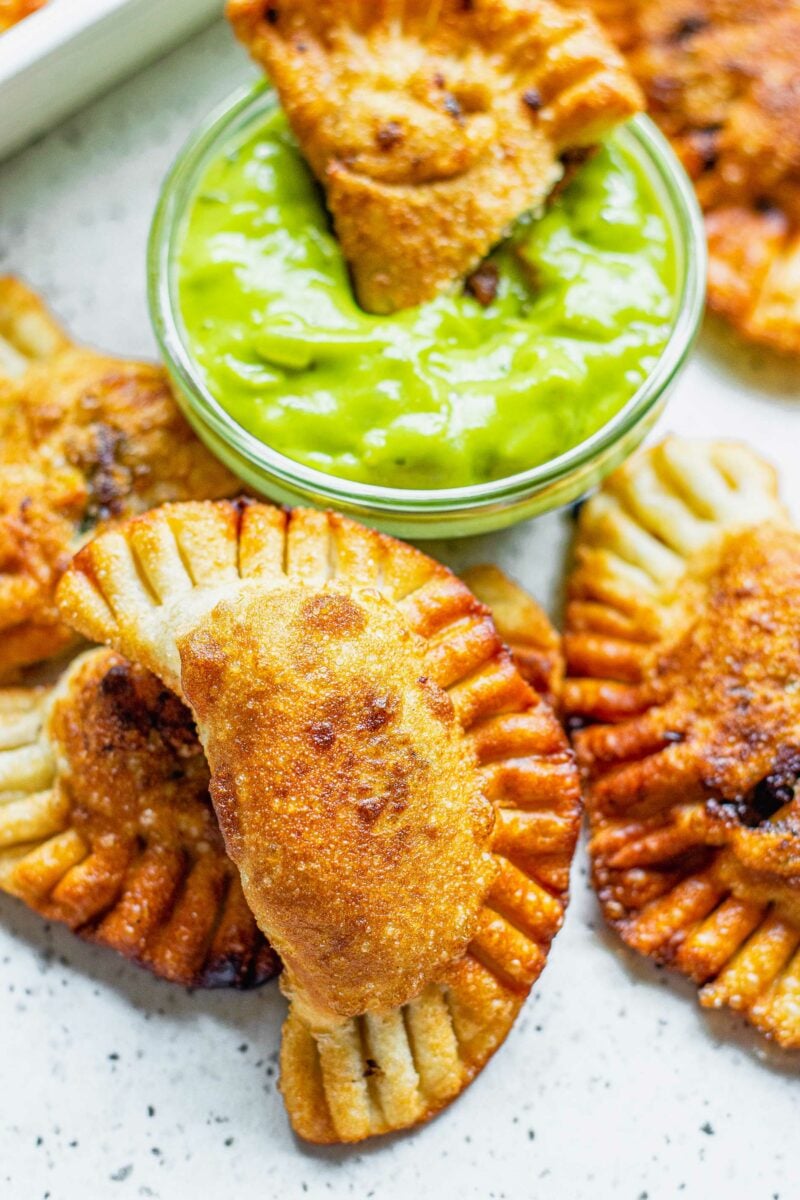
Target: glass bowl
(443, 512)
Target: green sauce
(445, 395)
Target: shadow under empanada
(725, 1025)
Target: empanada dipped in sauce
(433, 124)
(106, 824)
(84, 440)
(720, 77)
(683, 683)
(402, 806)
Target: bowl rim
(654, 153)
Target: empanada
(720, 78)
(683, 661)
(84, 440)
(106, 824)
(433, 125)
(402, 806)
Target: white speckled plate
(71, 50)
(614, 1085)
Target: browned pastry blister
(720, 77)
(106, 824)
(401, 805)
(683, 683)
(433, 124)
(84, 440)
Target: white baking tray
(70, 51)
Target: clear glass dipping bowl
(444, 512)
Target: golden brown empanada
(402, 806)
(683, 663)
(433, 125)
(84, 440)
(106, 824)
(720, 78)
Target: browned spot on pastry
(389, 135)
(437, 701)
(322, 734)
(394, 799)
(336, 615)
(379, 711)
(532, 98)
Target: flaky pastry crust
(720, 77)
(683, 661)
(85, 440)
(432, 126)
(106, 824)
(402, 805)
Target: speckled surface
(614, 1083)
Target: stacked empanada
(401, 805)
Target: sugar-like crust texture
(106, 824)
(433, 125)
(683, 661)
(720, 77)
(375, 811)
(85, 440)
(402, 805)
(12, 11)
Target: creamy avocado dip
(449, 394)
